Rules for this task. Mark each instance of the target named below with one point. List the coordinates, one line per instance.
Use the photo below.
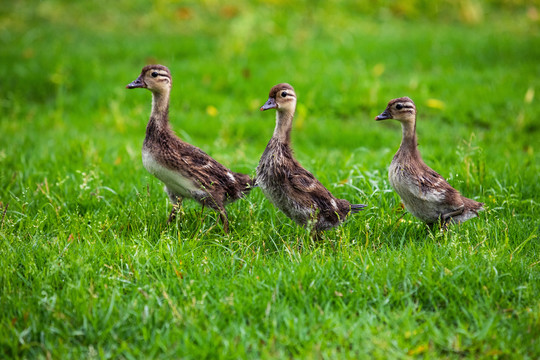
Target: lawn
(91, 269)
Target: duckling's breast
(271, 179)
(425, 205)
(276, 194)
(174, 180)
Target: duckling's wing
(435, 189)
(306, 186)
(207, 171)
(304, 181)
(198, 159)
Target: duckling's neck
(282, 132)
(409, 143)
(159, 117)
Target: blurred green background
(471, 66)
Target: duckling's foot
(317, 236)
(431, 226)
(172, 215)
(176, 201)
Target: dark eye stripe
(285, 93)
(160, 74)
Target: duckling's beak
(270, 104)
(138, 83)
(385, 115)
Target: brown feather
(194, 173)
(425, 193)
(290, 187)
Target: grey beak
(138, 83)
(383, 116)
(270, 104)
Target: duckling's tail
(245, 182)
(357, 207)
(471, 210)
(250, 184)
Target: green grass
(91, 269)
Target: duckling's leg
(176, 201)
(215, 201)
(446, 218)
(224, 219)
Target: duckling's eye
(154, 74)
(399, 106)
(283, 94)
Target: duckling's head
(401, 109)
(156, 78)
(281, 98)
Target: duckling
(290, 187)
(186, 170)
(425, 193)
